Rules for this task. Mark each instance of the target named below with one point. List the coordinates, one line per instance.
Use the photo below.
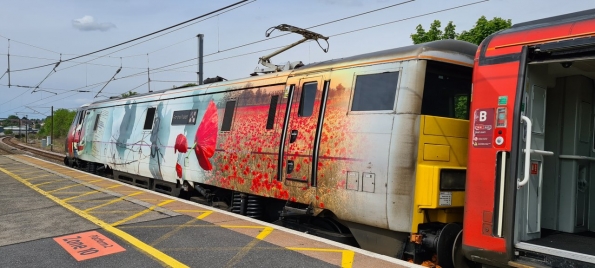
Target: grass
(34, 141)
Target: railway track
(10, 147)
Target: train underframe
(435, 244)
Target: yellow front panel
(442, 145)
(434, 152)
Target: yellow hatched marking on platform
(37, 177)
(90, 192)
(48, 182)
(142, 212)
(113, 211)
(30, 172)
(113, 201)
(204, 214)
(66, 187)
(76, 192)
(162, 257)
(244, 251)
(178, 228)
(172, 232)
(80, 195)
(346, 258)
(265, 229)
(171, 225)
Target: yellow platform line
(346, 258)
(160, 256)
(66, 187)
(142, 212)
(113, 201)
(48, 182)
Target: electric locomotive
(369, 149)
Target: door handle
(289, 166)
(293, 137)
(527, 150)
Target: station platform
(52, 215)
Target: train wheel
(447, 244)
(458, 257)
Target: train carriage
(374, 143)
(529, 195)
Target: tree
(434, 33)
(128, 94)
(12, 120)
(8, 132)
(482, 29)
(62, 121)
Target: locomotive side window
(307, 99)
(149, 119)
(228, 115)
(375, 92)
(96, 122)
(447, 90)
(272, 111)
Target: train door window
(307, 99)
(272, 111)
(82, 119)
(447, 90)
(96, 121)
(149, 119)
(228, 115)
(375, 92)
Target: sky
(42, 32)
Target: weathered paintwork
(246, 158)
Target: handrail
(527, 150)
(577, 157)
(541, 152)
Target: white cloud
(87, 23)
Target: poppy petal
(206, 137)
(179, 170)
(181, 144)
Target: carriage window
(272, 111)
(375, 92)
(228, 115)
(149, 119)
(96, 121)
(447, 90)
(307, 99)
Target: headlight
(452, 179)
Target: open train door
(554, 210)
(302, 124)
(533, 85)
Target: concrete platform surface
(55, 216)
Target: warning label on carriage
(483, 128)
(445, 199)
(88, 245)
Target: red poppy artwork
(181, 144)
(206, 137)
(179, 170)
